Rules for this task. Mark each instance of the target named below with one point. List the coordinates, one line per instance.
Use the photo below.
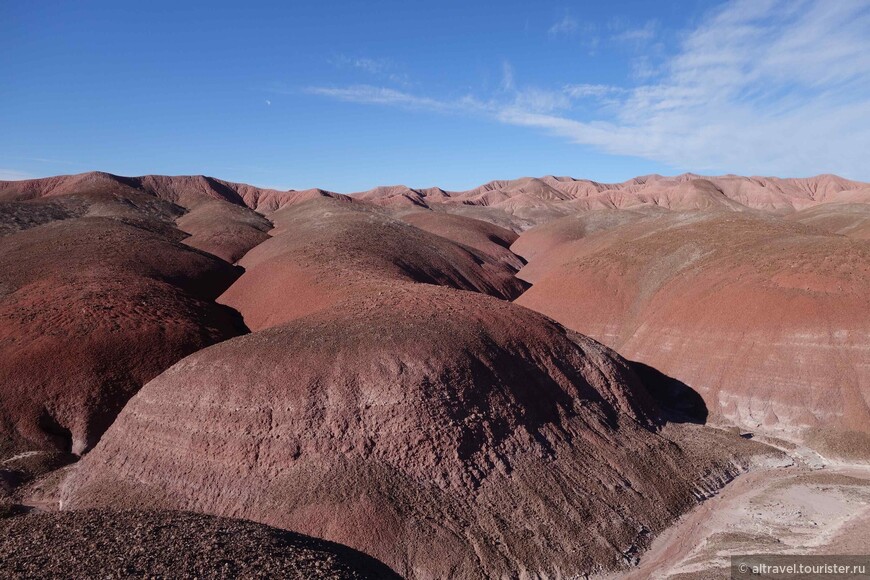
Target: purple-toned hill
(324, 251)
(91, 308)
(444, 432)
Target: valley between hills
(535, 378)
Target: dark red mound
(91, 309)
(127, 206)
(323, 251)
(180, 190)
(214, 211)
(447, 433)
(61, 185)
(183, 190)
(768, 320)
(149, 544)
(483, 236)
(523, 201)
(225, 230)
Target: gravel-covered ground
(165, 544)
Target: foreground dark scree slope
(135, 544)
(435, 412)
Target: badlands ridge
(532, 378)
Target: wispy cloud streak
(760, 86)
(13, 175)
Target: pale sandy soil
(813, 506)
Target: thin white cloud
(372, 95)
(507, 76)
(381, 68)
(567, 25)
(758, 87)
(527, 99)
(583, 90)
(639, 34)
(14, 175)
(588, 33)
(369, 65)
(540, 101)
(44, 160)
(643, 69)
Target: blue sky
(349, 95)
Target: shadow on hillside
(366, 566)
(679, 402)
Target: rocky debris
(165, 544)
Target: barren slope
(444, 432)
(213, 212)
(90, 309)
(768, 320)
(528, 201)
(323, 251)
(483, 236)
(110, 544)
(542, 243)
(846, 219)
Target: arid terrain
(536, 378)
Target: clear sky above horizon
(349, 95)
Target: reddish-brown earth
(485, 237)
(97, 292)
(91, 309)
(847, 219)
(545, 243)
(323, 251)
(443, 432)
(225, 230)
(523, 203)
(143, 544)
(211, 211)
(518, 204)
(391, 398)
(766, 318)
